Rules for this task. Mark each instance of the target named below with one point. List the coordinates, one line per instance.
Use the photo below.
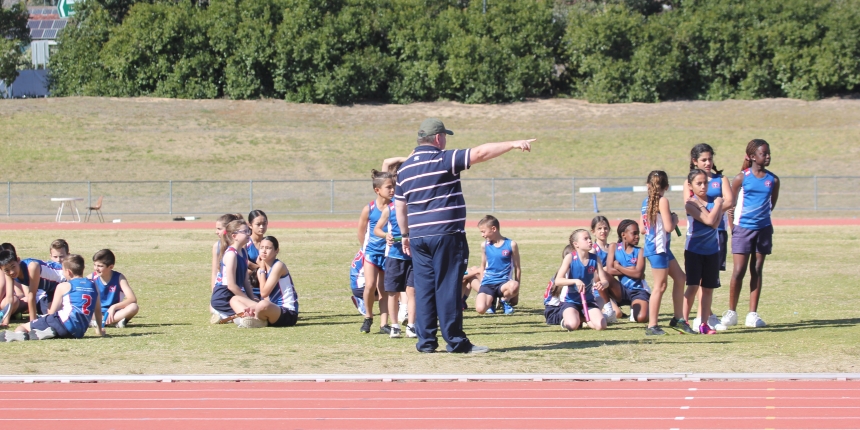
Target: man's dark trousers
(439, 263)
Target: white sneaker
(121, 323)
(753, 320)
(609, 314)
(93, 323)
(696, 323)
(720, 327)
(410, 331)
(402, 314)
(214, 316)
(632, 318)
(730, 318)
(713, 321)
(251, 322)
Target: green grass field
(808, 302)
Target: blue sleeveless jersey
(356, 272)
(78, 306)
(110, 293)
(629, 260)
(372, 243)
(48, 279)
(284, 294)
(753, 206)
(701, 239)
(241, 268)
(252, 251)
(600, 253)
(500, 264)
(585, 273)
(656, 239)
(715, 189)
(395, 250)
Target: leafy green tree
(14, 35)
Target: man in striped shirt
(431, 213)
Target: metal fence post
(493, 195)
(251, 196)
(815, 195)
(171, 198)
(89, 193)
(8, 198)
(331, 193)
(573, 193)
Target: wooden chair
(97, 208)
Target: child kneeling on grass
(119, 304)
(553, 296)
(75, 304)
(583, 270)
(501, 269)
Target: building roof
(45, 23)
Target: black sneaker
(654, 331)
(365, 326)
(684, 328)
(673, 322)
(386, 329)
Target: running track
(432, 405)
(187, 225)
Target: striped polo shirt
(429, 183)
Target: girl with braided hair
(627, 263)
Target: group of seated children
(249, 285)
(59, 301)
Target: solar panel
(32, 23)
(36, 33)
(46, 23)
(50, 34)
(60, 23)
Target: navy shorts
(553, 315)
(724, 248)
(221, 300)
(746, 241)
(377, 260)
(398, 275)
(661, 260)
(702, 270)
(51, 321)
(628, 296)
(493, 290)
(288, 318)
(578, 307)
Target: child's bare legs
(639, 310)
(740, 262)
(240, 303)
(483, 302)
(571, 319)
(613, 283)
(410, 304)
(660, 282)
(597, 321)
(393, 305)
(689, 297)
(126, 313)
(511, 292)
(25, 328)
(267, 311)
(383, 302)
(371, 273)
(679, 281)
(756, 266)
(705, 304)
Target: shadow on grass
(584, 344)
(799, 325)
(135, 325)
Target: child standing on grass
(232, 293)
(119, 304)
(600, 232)
(553, 296)
(76, 303)
(658, 221)
(583, 270)
(628, 264)
(220, 228)
(702, 248)
(756, 191)
(374, 251)
(279, 302)
(500, 264)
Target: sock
(395, 325)
(411, 326)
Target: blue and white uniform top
(584, 272)
(395, 250)
(78, 306)
(110, 292)
(630, 260)
(429, 183)
(49, 276)
(356, 272)
(241, 268)
(599, 252)
(701, 239)
(548, 299)
(754, 205)
(284, 294)
(500, 264)
(253, 252)
(656, 238)
(373, 245)
(715, 189)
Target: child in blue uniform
(500, 263)
(76, 302)
(232, 293)
(600, 233)
(583, 270)
(356, 281)
(398, 277)
(220, 225)
(702, 248)
(374, 251)
(658, 221)
(552, 297)
(628, 264)
(756, 192)
(279, 302)
(12, 297)
(259, 223)
(59, 250)
(119, 304)
(37, 280)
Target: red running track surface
(432, 405)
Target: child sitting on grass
(119, 304)
(75, 304)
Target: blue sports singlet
(284, 294)
(657, 240)
(701, 239)
(396, 249)
(583, 272)
(629, 260)
(753, 207)
(78, 306)
(110, 292)
(715, 189)
(499, 263)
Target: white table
(73, 208)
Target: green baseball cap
(432, 126)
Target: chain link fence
(189, 198)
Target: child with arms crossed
(628, 264)
(702, 248)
